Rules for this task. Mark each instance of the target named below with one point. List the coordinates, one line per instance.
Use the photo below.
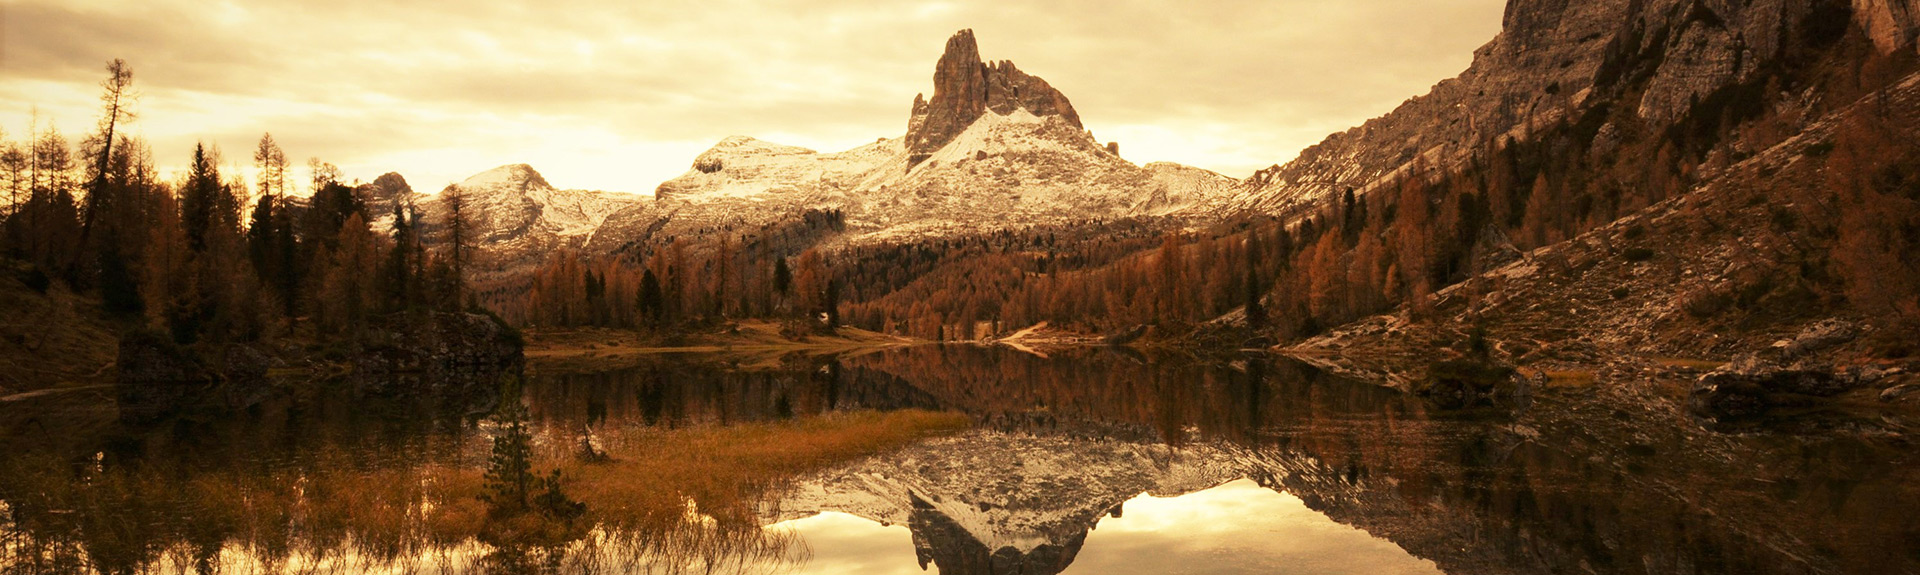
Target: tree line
(208, 256)
(678, 282)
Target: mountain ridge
(1548, 60)
(519, 218)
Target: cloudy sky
(621, 95)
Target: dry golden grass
(1695, 364)
(724, 470)
(746, 343)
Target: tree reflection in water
(1586, 480)
(349, 483)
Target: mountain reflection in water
(1089, 461)
(1238, 527)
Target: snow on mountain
(994, 148)
(1020, 498)
(1186, 188)
(1002, 171)
(741, 167)
(519, 218)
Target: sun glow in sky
(620, 95)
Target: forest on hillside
(211, 256)
(1364, 252)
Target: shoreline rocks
(409, 354)
(1751, 386)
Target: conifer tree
(396, 273)
(1255, 310)
(261, 239)
(652, 301)
(200, 196)
(782, 276)
(459, 237)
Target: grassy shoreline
(746, 342)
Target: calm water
(1091, 461)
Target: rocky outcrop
(1751, 386)
(157, 377)
(1821, 336)
(151, 359)
(446, 348)
(384, 193)
(964, 88)
(1891, 24)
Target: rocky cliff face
(1891, 24)
(1657, 57)
(964, 88)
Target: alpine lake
(938, 458)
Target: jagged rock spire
(964, 87)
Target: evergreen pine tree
(652, 301)
(1256, 312)
(782, 276)
(200, 200)
(260, 241)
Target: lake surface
(1088, 461)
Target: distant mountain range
(519, 219)
(993, 148)
(996, 148)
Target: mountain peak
(519, 176)
(964, 88)
(384, 192)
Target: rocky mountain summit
(965, 88)
(384, 192)
(994, 147)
